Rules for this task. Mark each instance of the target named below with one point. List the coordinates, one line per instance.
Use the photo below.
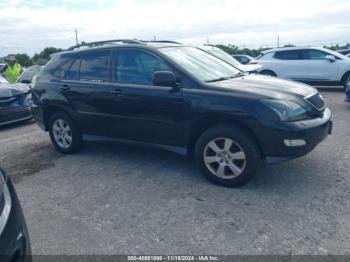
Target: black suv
(179, 98)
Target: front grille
(13, 113)
(317, 101)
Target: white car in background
(317, 66)
(215, 51)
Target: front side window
(287, 55)
(94, 66)
(137, 67)
(203, 66)
(310, 54)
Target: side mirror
(330, 58)
(164, 78)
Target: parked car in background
(15, 102)
(344, 52)
(181, 99)
(14, 238)
(27, 76)
(243, 59)
(219, 53)
(318, 66)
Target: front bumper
(13, 114)
(272, 136)
(14, 239)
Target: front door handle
(116, 91)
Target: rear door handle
(64, 88)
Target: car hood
(250, 68)
(264, 86)
(10, 90)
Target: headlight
(28, 100)
(287, 110)
(29, 96)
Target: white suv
(318, 66)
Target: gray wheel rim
(62, 133)
(225, 158)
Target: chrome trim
(17, 120)
(7, 208)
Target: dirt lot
(113, 199)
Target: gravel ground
(113, 199)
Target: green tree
(24, 60)
(45, 54)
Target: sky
(29, 26)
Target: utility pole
(155, 38)
(208, 42)
(76, 36)
(278, 41)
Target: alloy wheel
(225, 158)
(62, 133)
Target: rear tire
(346, 80)
(268, 73)
(227, 155)
(64, 133)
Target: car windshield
(29, 73)
(203, 66)
(221, 54)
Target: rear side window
(288, 55)
(94, 66)
(73, 72)
(137, 66)
(62, 71)
(309, 54)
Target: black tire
(246, 143)
(346, 80)
(76, 138)
(268, 73)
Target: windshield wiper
(220, 79)
(226, 78)
(239, 74)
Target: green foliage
(24, 60)
(338, 47)
(45, 54)
(38, 59)
(233, 50)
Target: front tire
(64, 133)
(346, 80)
(227, 156)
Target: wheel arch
(203, 124)
(50, 110)
(343, 75)
(268, 70)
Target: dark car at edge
(14, 238)
(179, 98)
(15, 102)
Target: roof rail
(101, 43)
(162, 41)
